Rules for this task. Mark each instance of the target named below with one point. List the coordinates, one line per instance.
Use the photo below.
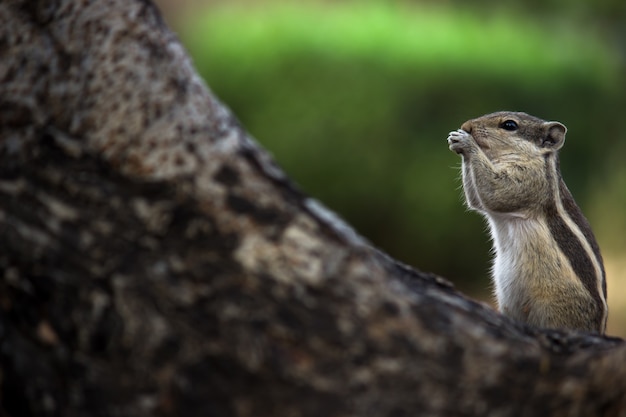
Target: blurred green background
(355, 100)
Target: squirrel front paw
(460, 141)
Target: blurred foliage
(355, 100)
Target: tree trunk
(155, 261)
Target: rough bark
(155, 261)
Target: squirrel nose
(467, 126)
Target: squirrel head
(505, 132)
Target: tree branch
(155, 260)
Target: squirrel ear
(555, 135)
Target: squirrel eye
(509, 125)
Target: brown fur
(548, 269)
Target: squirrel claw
(457, 140)
(457, 135)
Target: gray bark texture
(154, 261)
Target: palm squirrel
(547, 271)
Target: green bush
(355, 101)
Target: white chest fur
(527, 262)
